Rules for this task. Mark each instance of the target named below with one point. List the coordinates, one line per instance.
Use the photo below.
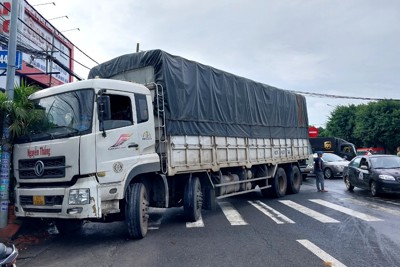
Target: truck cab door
(119, 146)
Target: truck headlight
(79, 196)
(386, 177)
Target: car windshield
(391, 162)
(331, 157)
(62, 115)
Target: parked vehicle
(334, 145)
(307, 168)
(377, 173)
(8, 256)
(184, 134)
(333, 165)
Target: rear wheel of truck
(137, 210)
(294, 181)
(278, 185)
(193, 199)
(209, 200)
(67, 226)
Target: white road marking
(370, 205)
(231, 214)
(347, 211)
(198, 223)
(328, 259)
(275, 215)
(312, 213)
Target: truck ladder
(162, 132)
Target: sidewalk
(23, 232)
(13, 226)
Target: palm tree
(21, 116)
(21, 112)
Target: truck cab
(93, 135)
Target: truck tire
(294, 180)
(137, 210)
(278, 185)
(67, 226)
(209, 200)
(193, 199)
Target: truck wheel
(278, 185)
(137, 210)
(294, 181)
(193, 199)
(209, 200)
(67, 226)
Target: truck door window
(141, 108)
(121, 112)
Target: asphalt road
(337, 228)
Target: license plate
(38, 200)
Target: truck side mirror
(103, 110)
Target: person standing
(398, 151)
(319, 175)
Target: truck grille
(52, 168)
(48, 200)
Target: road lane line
(328, 259)
(347, 211)
(198, 223)
(231, 214)
(309, 212)
(275, 215)
(370, 205)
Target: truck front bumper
(53, 202)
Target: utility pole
(6, 146)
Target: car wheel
(349, 186)
(374, 189)
(328, 173)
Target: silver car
(333, 165)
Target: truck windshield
(62, 115)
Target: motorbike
(8, 256)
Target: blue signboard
(4, 58)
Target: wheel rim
(373, 188)
(348, 185)
(328, 174)
(144, 207)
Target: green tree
(342, 122)
(378, 124)
(21, 112)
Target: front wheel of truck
(193, 199)
(137, 210)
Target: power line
(53, 47)
(340, 96)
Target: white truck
(151, 129)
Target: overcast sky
(334, 47)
